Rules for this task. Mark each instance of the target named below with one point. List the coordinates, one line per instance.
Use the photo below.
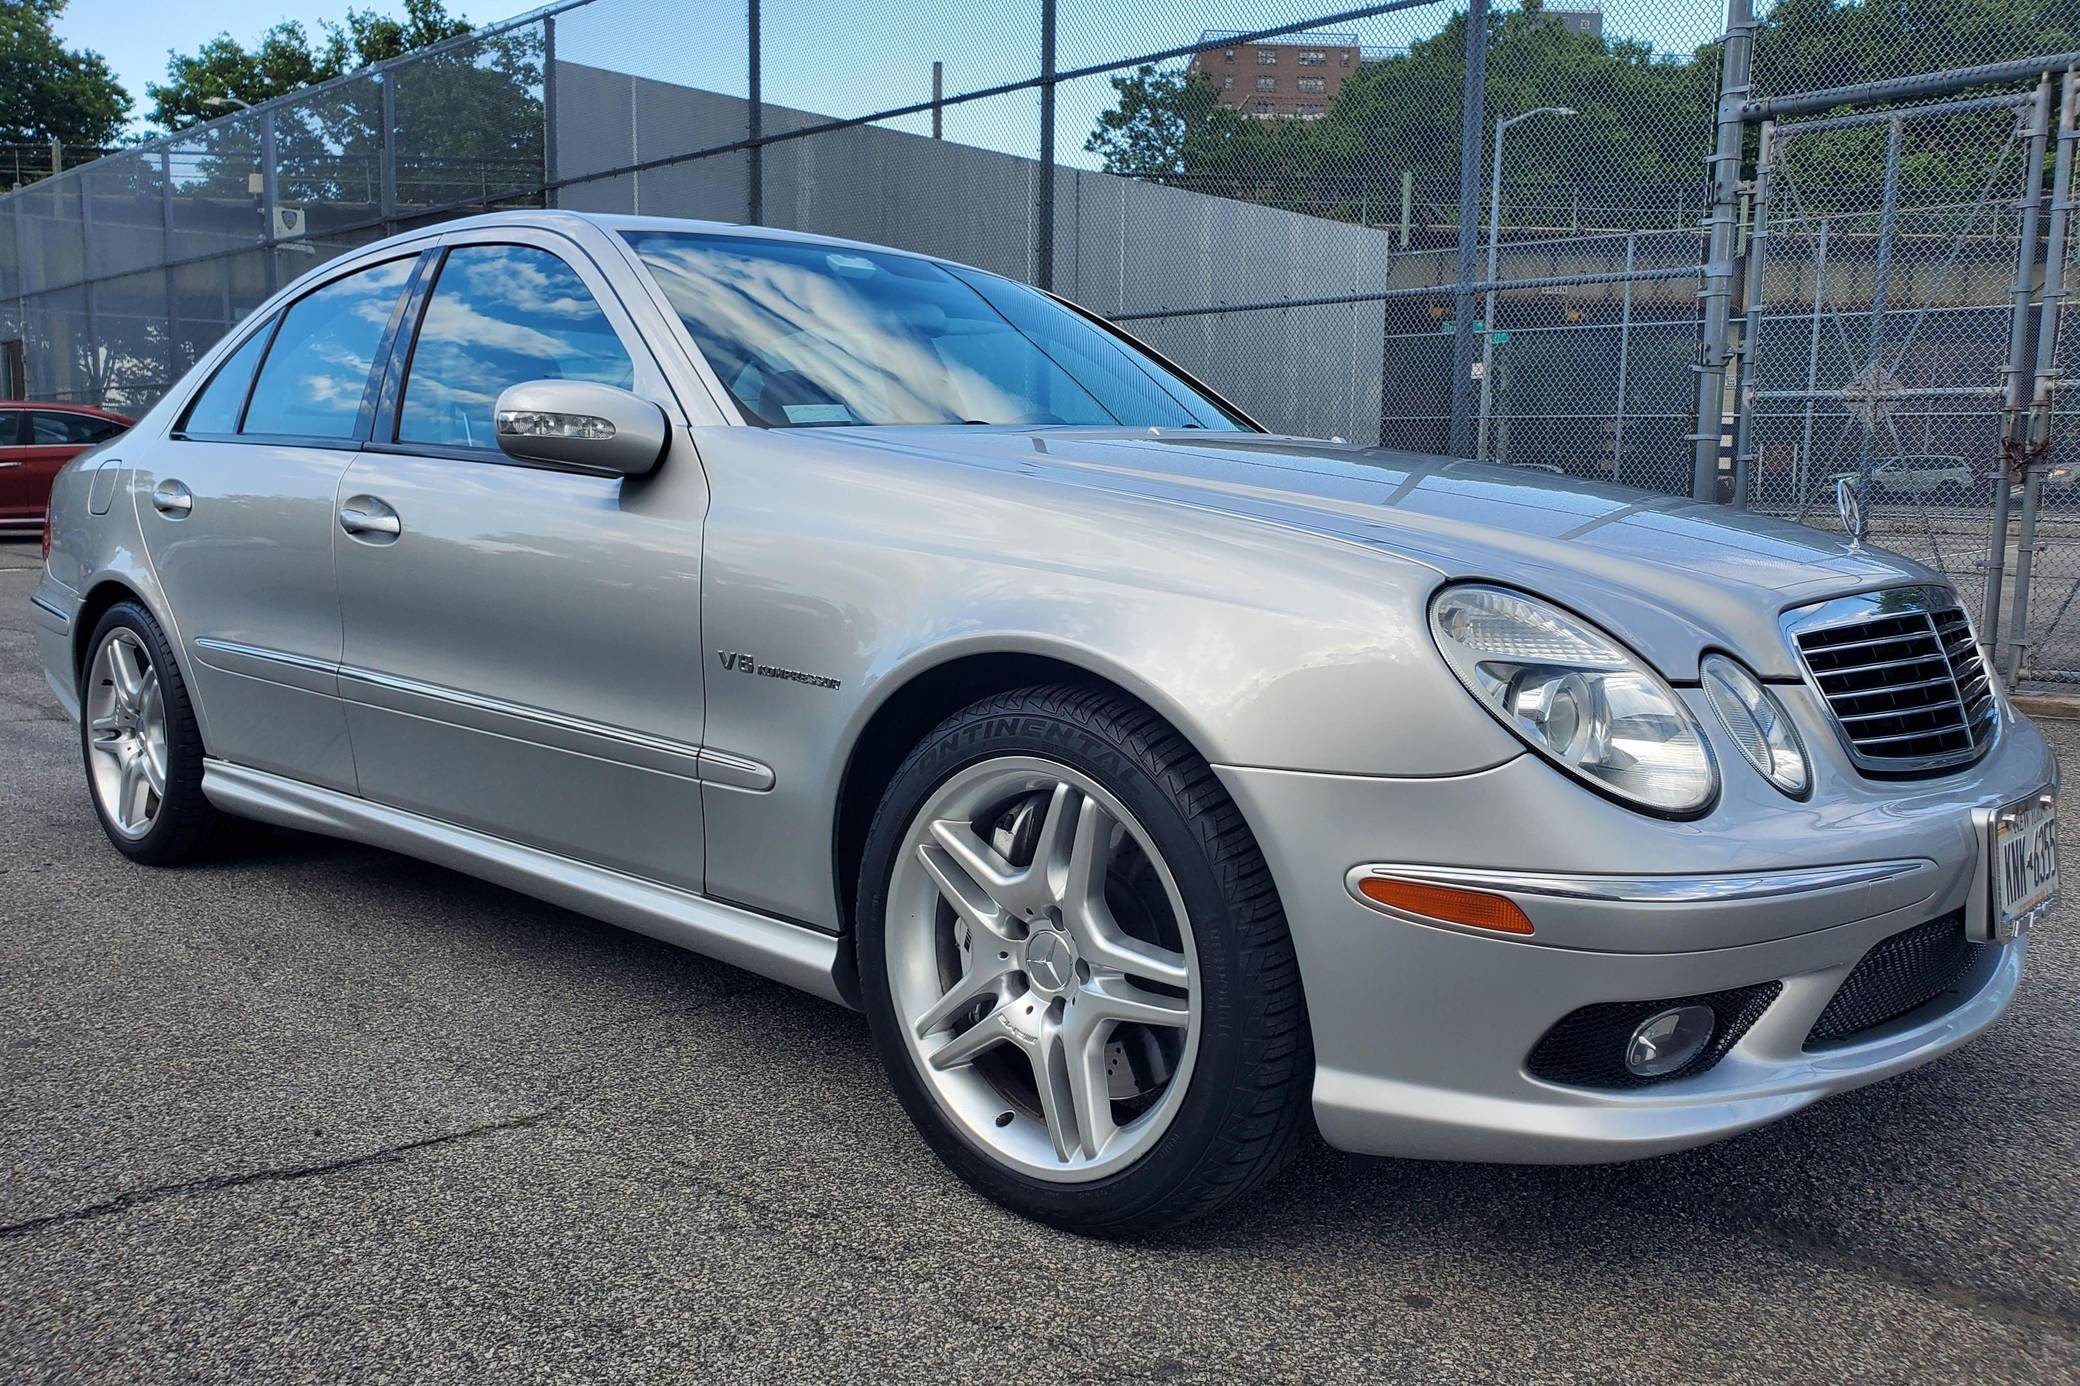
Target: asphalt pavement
(316, 1112)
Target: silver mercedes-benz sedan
(1152, 782)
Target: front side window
(502, 315)
(312, 382)
(808, 335)
(215, 410)
(14, 424)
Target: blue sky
(844, 57)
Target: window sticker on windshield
(817, 413)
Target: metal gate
(1902, 340)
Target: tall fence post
(2053, 302)
(2015, 375)
(755, 123)
(1043, 210)
(1744, 372)
(1803, 464)
(386, 159)
(1881, 301)
(1473, 109)
(169, 282)
(1624, 356)
(549, 159)
(1714, 345)
(270, 195)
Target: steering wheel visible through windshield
(807, 335)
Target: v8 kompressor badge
(740, 663)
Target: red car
(36, 440)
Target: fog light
(1666, 1041)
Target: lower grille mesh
(1898, 975)
(1586, 1048)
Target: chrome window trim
(1644, 890)
(1836, 612)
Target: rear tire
(140, 743)
(1004, 1021)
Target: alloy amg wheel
(1077, 970)
(140, 742)
(126, 734)
(1041, 962)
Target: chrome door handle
(5, 465)
(172, 499)
(365, 515)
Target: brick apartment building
(1299, 74)
(1293, 75)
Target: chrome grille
(1903, 677)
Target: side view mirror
(575, 423)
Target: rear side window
(12, 424)
(49, 428)
(316, 373)
(215, 410)
(501, 315)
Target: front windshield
(806, 335)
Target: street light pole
(1480, 448)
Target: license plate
(2025, 863)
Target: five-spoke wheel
(139, 738)
(1076, 966)
(1042, 961)
(126, 733)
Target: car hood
(1670, 576)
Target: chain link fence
(1617, 241)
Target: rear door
(523, 649)
(239, 511)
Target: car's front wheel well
(901, 722)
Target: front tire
(139, 740)
(1076, 968)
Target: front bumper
(1422, 1029)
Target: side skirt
(795, 954)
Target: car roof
(59, 407)
(551, 220)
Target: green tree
(49, 91)
(285, 59)
(1159, 123)
(1643, 123)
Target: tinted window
(317, 370)
(49, 429)
(500, 315)
(215, 410)
(805, 334)
(12, 422)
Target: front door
(238, 511)
(522, 650)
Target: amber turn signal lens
(1474, 908)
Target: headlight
(1757, 723)
(1576, 696)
